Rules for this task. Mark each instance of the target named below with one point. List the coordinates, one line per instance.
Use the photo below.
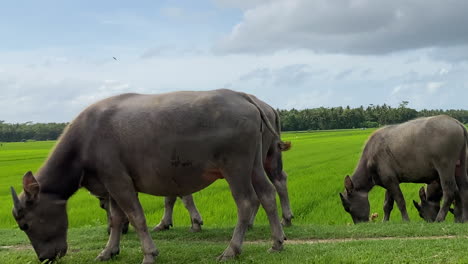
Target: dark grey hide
(273, 167)
(430, 203)
(170, 144)
(418, 151)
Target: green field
(316, 165)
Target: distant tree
(371, 116)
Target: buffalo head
(42, 217)
(427, 209)
(355, 202)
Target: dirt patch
(29, 247)
(292, 241)
(344, 240)
(17, 247)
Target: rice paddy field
(322, 233)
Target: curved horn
(16, 201)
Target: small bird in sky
(114, 58)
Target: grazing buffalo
(273, 168)
(166, 221)
(171, 144)
(419, 151)
(195, 217)
(430, 203)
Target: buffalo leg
(255, 206)
(448, 183)
(126, 197)
(195, 216)
(461, 197)
(116, 221)
(282, 189)
(240, 182)
(166, 221)
(388, 205)
(267, 195)
(104, 202)
(393, 189)
(397, 195)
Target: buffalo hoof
(149, 258)
(228, 254)
(196, 226)
(286, 222)
(107, 254)
(161, 227)
(277, 246)
(275, 249)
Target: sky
(57, 56)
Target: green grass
(181, 246)
(316, 165)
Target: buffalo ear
(348, 183)
(417, 205)
(30, 186)
(422, 194)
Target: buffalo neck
(362, 177)
(61, 174)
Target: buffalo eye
(24, 227)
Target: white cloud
(348, 26)
(443, 71)
(433, 87)
(311, 99)
(397, 89)
(285, 79)
(242, 4)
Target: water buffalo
(430, 203)
(419, 151)
(195, 217)
(429, 206)
(166, 221)
(171, 144)
(273, 168)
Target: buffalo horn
(16, 201)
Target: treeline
(344, 118)
(30, 131)
(291, 120)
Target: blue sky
(56, 57)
